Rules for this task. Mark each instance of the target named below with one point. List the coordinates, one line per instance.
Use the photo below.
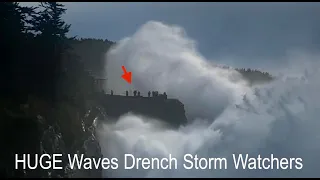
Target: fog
(163, 58)
(278, 118)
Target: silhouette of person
(134, 93)
(165, 95)
(111, 92)
(149, 94)
(139, 93)
(127, 93)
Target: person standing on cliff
(127, 93)
(134, 93)
(139, 93)
(149, 94)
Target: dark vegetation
(91, 52)
(47, 95)
(254, 76)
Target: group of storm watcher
(150, 94)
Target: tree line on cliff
(44, 85)
(38, 57)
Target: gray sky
(239, 34)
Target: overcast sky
(241, 34)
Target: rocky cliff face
(170, 111)
(39, 127)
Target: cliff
(170, 111)
(39, 126)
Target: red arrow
(126, 75)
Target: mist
(164, 59)
(278, 118)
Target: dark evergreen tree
(51, 40)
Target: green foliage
(14, 35)
(91, 52)
(41, 77)
(36, 49)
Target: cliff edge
(170, 111)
